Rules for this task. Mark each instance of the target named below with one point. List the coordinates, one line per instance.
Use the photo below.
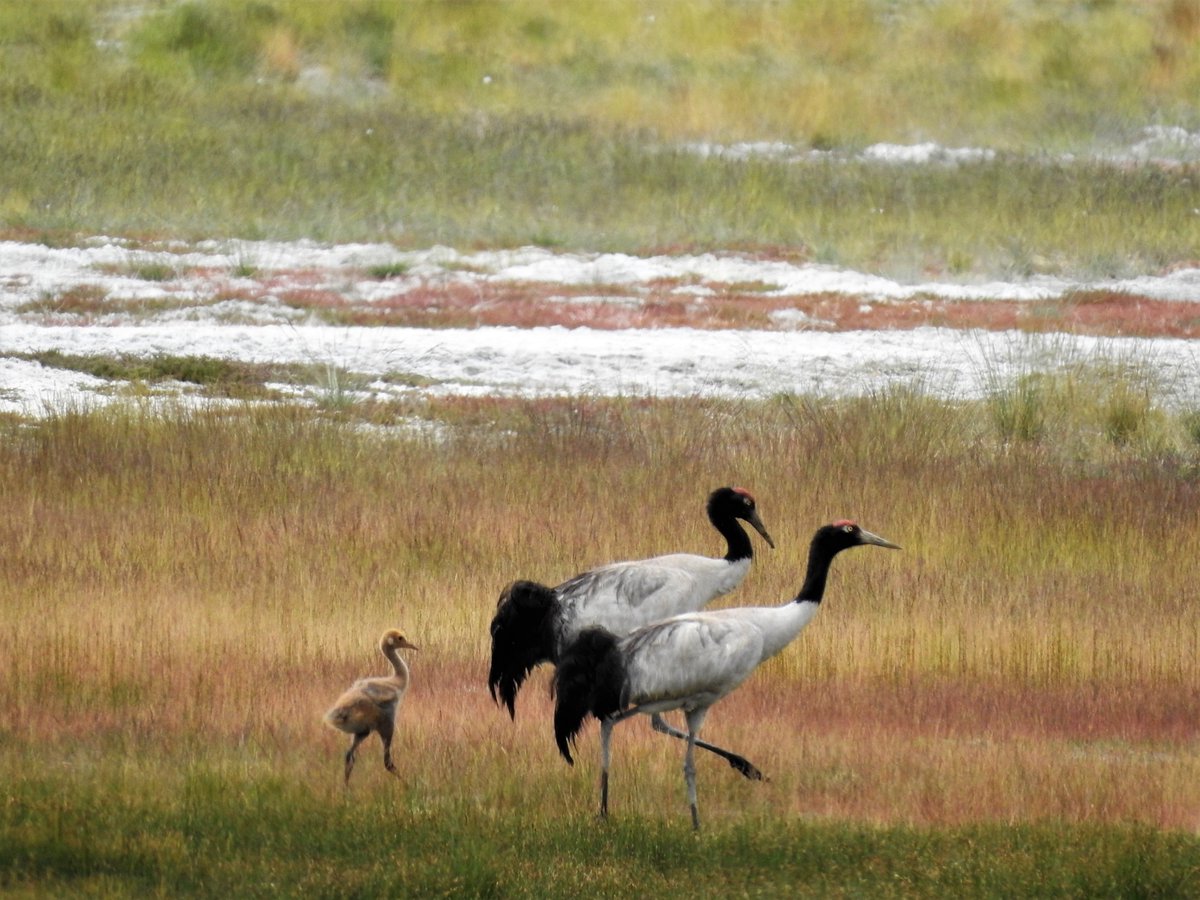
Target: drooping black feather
(522, 638)
(590, 678)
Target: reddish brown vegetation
(668, 304)
(1150, 714)
(336, 297)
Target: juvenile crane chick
(371, 704)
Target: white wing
(690, 660)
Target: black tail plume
(522, 638)
(590, 678)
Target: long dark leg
(386, 730)
(358, 739)
(740, 763)
(606, 728)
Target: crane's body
(687, 662)
(623, 596)
(722, 648)
(534, 623)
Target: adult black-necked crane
(371, 704)
(534, 623)
(686, 662)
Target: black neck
(820, 557)
(737, 541)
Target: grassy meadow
(1006, 707)
(574, 125)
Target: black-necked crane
(371, 704)
(534, 623)
(687, 662)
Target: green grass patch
(154, 271)
(1087, 407)
(160, 367)
(821, 73)
(333, 387)
(219, 376)
(83, 300)
(384, 271)
(530, 122)
(214, 833)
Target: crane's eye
(847, 528)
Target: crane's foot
(747, 768)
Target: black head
(736, 503)
(844, 534)
(828, 542)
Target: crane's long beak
(760, 528)
(409, 646)
(868, 538)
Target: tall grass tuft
(1081, 405)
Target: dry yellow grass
(192, 589)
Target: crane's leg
(386, 729)
(606, 728)
(695, 718)
(358, 739)
(740, 763)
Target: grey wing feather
(621, 583)
(693, 656)
(621, 597)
